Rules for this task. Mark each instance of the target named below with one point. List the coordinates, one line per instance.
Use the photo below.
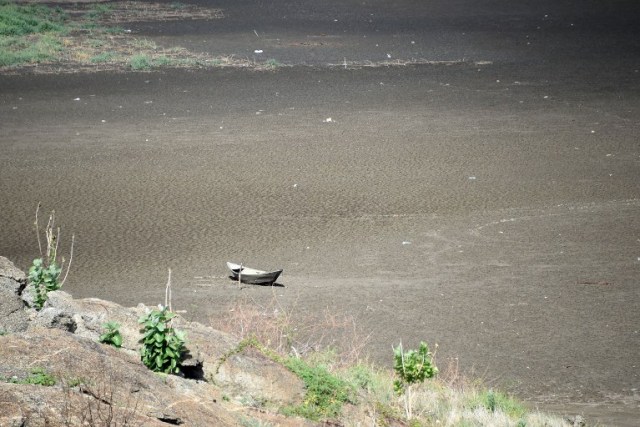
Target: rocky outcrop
(13, 317)
(95, 382)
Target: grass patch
(38, 376)
(30, 19)
(140, 62)
(144, 44)
(30, 33)
(98, 11)
(497, 401)
(34, 49)
(83, 36)
(325, 392)
(103, 57)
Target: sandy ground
(490, 206)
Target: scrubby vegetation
(328, 354)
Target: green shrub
(162, 346)
(411, 367)
(112, 336)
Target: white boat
(251, 275)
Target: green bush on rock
(162, 346)
(112, 335)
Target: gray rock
(51, 317)
(9, 271)
(13, 316)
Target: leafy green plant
(44, 273)
(162, 346)
(412, 367)
(44, 279)
(112, 335)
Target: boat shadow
(263, 285)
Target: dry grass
(289, 331)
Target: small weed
(112, 336)
(140, 62)
(273, 63)
(38, 376)
(162, 61)
(75, 382)
(496, 401)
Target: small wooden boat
(253, 276)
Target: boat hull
(252, 276)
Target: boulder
(13, 316)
